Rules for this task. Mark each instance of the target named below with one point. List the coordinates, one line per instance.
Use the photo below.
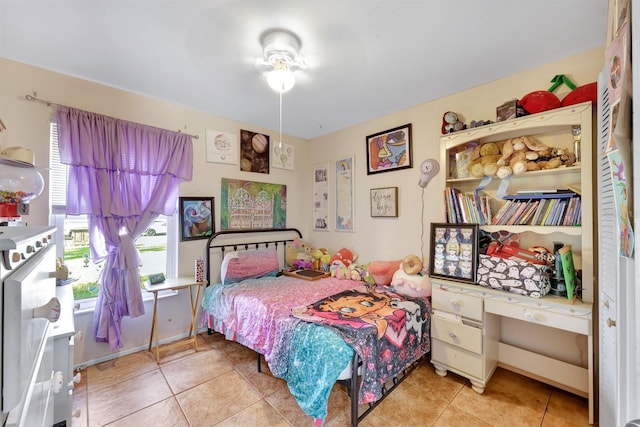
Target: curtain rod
(35, 98)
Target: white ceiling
(366, 58)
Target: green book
(568, 270)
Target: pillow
(382, 271)
(237, 266)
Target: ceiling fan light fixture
(281, 78)
(281, 51)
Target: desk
(475, 329)
(174, 284)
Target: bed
(312, 333)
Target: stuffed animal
(340, 261)
(298, 254)
(523, 154)
(451, 123)
(415, 285)
(317, 256)
(484, 159)
(382, 271)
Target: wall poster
(321, 197)
(345, 197)
(221, 147)
(249, 205)
(254, 152)
(283, 156)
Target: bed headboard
(238, 240)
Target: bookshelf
(569, 218)
(548, 338)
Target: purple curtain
(122, 175)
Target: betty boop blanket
(389, 331)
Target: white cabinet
(474, 328)
(472, 343)
(63, 345)
(463, 337)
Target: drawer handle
(76, 412)
(606, 304)
(610, 322)
(455, 303)
(75, 380)
(453, 335)
(49, 311)
(56, 382)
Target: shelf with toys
(549, 150)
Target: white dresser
(474, 329)
(63, 345)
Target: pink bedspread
(257, 312)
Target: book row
(547, 212)
(467, 208)
(543, 210)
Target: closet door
(608, 271)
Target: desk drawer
(457, 359)
(580, 324)
(459, 335)
(457, 303)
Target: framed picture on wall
(197, 219)
(454, 251)
(345, 194)
(384, 202)
(389, 150)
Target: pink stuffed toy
(340, 262)
(382, 271)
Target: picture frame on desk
(454, 251)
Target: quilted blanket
(257, 314)
(389, 331)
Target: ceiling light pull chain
(280, 143)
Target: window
(157, 245)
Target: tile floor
(219, 386)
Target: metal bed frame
(351, 385)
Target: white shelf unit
(552, 128)
(475, 329)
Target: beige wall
(394, 238)
(374, 238)
(28, 125)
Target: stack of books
(467, 208)
(556, 207)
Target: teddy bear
(524, 153)
(298, 254)
(484, 159)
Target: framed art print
(221, 147)
(384, 202)
(254, 152)
(321, 197)
(389, 150)
(454, 251)
(196, 218)
(345, 195)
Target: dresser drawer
(459, 335)
(456, 359)
(457, 303)
(579, 323)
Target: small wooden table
(174, 284)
